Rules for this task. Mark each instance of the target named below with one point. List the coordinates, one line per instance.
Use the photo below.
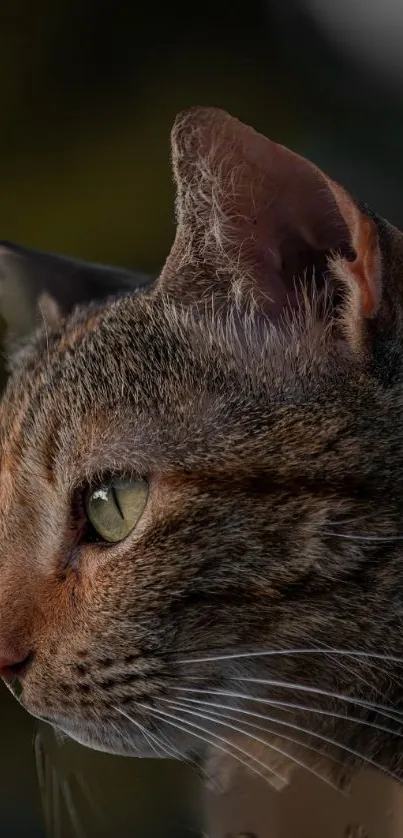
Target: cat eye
(114, 510)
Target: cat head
(201, 485)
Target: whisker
(278, 721)
(392, 714)
(315, 735)
(40, 762)
(72, 811)
(213, 743)
(147, 735)
(381, 539)
(119, 732)
(359, 677)
(217, 717)
(87, 793)
(170, 718)
(276, 702)
(44, 773)
(290, 652)
(380, 708)
(169, 750)
(151, 738)
(290, 705)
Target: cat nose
(14, 664)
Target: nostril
(15, 667)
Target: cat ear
(250, 210)
(37, 286)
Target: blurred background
(88, 93)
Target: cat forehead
(157, 339)
(150, 376)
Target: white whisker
(358, 676)
(289, 705)
(292, 706)
(381, 539)
(149, 737)
(149, 740)
(44, 772)
(119, 733)
(171, 751)
(40, 759)
(290, 652)
(170, 718)
(381, 709)
(218, 717)
(322, 738)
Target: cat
(201, 484)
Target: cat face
(201, 485)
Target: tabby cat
(202, 483)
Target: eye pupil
(114, 510)
(116, 499)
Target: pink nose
(14, 664)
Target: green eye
(115, 510)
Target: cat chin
(103, 739)
(106, 739)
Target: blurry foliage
(88, 93)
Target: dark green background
(88, 93)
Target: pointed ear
(36, 286)
(251, 211)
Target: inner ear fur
(251, 211)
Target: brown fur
(268, 419)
